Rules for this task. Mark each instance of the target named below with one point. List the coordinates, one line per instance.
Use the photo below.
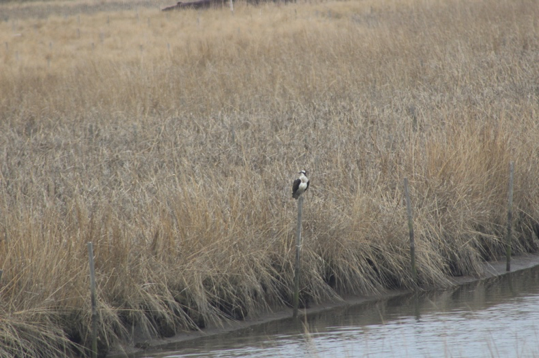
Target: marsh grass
(170, 140)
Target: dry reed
(170, 140)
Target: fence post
(410, 229)
(94, 304)
(509, 219)
(297, 269)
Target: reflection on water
(494, 318)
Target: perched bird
(300, 184)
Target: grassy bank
(170, 140)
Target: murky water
(494, 318)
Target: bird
(300, 184)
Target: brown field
(170, 141)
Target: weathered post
(410, 229)
(94, 303)
(509, 219)
(297, 268)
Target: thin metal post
(410, 229)
(297, 270)
(509, 219)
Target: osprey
(300, 185)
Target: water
(493, 318)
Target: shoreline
(491, 269)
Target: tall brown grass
(170, 141)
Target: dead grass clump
(170, 141)
(28, 334)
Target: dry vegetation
(170, 141)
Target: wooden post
(297, 269)
(94, 303)
(509, 219)
(410, 229)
